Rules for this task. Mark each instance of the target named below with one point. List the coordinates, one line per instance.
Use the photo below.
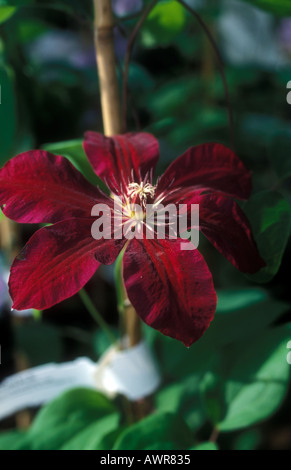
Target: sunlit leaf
(6, 12)
(166, 20)
(256, 379)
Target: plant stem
(214, 435)
(111, 112)
(104, 42)
(97, 317)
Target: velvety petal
(207, 167)
(122, 159)
(56, 263)
(171, 289)
(39, 187)
(225, 225)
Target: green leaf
(236, 311)
(92, 436)
(60, 421)
(277, 7)
(164, 23)
(248, 440)
(6, 12)
(183, 397)
(270, 217)
(161, 431)
(257, 377)
(73, 151)
(78, 419)
(205, 446)
(7, 114)
(213, 393)
(13, 440)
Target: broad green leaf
(212, 391)
(14, 440)
(92, 436)
(164, 23)
(205, 446)
(232, 300)
(256, 379)
(240, 315)
(78, 405)
(7, 114)
(277, 7)
(6, 12)
(160, 431)
(73, 151)
(270, 217)
(183, 397)
(64, 422)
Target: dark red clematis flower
(171, 290)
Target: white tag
(131, 373)
(35, 386)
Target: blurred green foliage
(278, 7)
(236, 377)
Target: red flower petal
(171, 290)
(56, 263)
(39, 187)
(207, 167)
(225, 225)
(121, 159)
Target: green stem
(118, 276)
(97, 317)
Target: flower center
(142, 190)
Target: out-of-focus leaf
(236, 311)
(205, 446)
(139, 78)
(248, 440)
(278, 7)
(13, 440)
(166, 20)
(7, 114)
(183, 397)
(29, 29)
(91, 437)
(270, 217)
(66, 423)
(73, 151)
(6, 12)
(256, 379)
(212, 391)
(160, 431)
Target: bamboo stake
(111, 112)
(109, 92)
